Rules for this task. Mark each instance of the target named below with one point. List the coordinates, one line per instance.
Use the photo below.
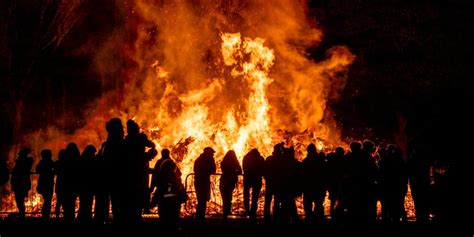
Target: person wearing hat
(204, 167)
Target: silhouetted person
(137, 196)
(360, 193)
(112, 173)
(369, 175)
(254, 167)
(271, 178)
(419, 175)
(230, 174)
(349, 187)
(393, 184)
(155, 179)
(101, 188)
(335, 163)
(60, 176)
(315, 182)
(21, 183)
(4, 177)
(352, 206)
(86, 184)
(170, 192)
(204, 167)
(45, 170)
(71, 162)
(289, 171)
(331, 184)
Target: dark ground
(232, 227)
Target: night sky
(414, 64)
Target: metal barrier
(214, 206)
(34, 201)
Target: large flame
(227, 74)
(243, 125)
(193, 84)
(202, 86)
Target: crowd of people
(118, 174)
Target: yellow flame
(250, 61)
(194, 85)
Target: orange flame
(196, 85)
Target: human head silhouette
(132, 127)
(311, 149)
(46, 154)
(340, 151)
(165, 153)
(209, 151)
(355, 147)
(89, 151)
(114, 128)
(24, 152)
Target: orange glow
(226, 74)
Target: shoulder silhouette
(204, 167)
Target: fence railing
(34, 200)
(214, 206)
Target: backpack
(171, 189)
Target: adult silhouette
(157, 180)
(204, 167)
(271, 176)
(170, 192)
(136, 195)
(314, 184)
(59, 187)
(289, 171)
(45, 187)
(112, 173)
(230, 173)
(86, 184)
(336, 169)
(21, 182)
(393, 184)
(254, 167)
(352, 200)
(71, 181)
(369, 181)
